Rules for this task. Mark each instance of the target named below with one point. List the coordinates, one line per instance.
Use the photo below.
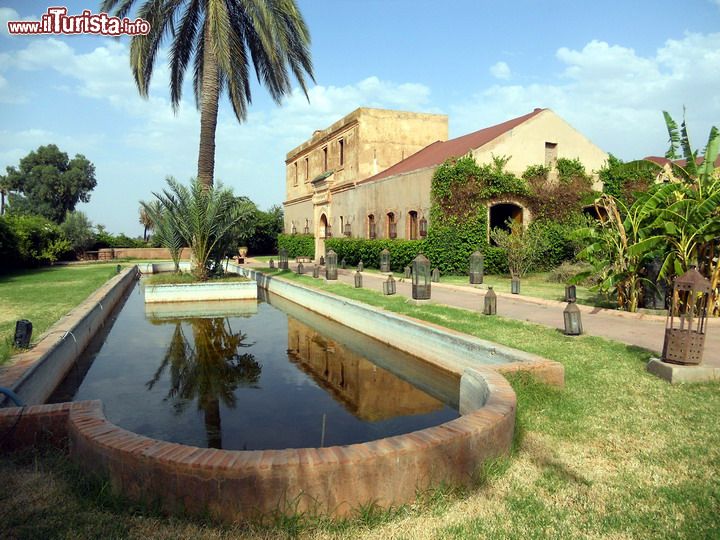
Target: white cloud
(500, 70)
(614, 95)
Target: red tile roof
(682, 162)
(439, 151)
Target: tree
(146, 218)
(49, 184)
(523, 246)
(225, 37)
(77, 228)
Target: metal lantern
(385, 261)
(347, 230)
(685, 326)
(283, 262)
(570, 293)
(272, 263)
(573, 322)
(300, 268)
(322, 260)
(358, 279)
(490, 302)
(435, 275)
(423, 227)
(328, 231)
(408, 272)
(23, 333)
(343, 263)
(389, 286)
(515, 285)
(421, 278)
(331, 268)
(477, 268)
(294, 229)
(316, 271)
(306, 230)
(360, 266)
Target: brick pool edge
(231, 485)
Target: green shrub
(496, 261)
(297, 245)
(8, 247)
(39, 240)
(353, 250)
(567, 270)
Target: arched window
(502, 213)
(371, 226)
(391, 225)
(412, 225)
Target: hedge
(353, 250)
(297, 245)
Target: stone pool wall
(231, 485)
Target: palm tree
(225, 37)
(145, 220)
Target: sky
(608, 68)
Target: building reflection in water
(368, 391)
(206, 369)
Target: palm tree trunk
(208, 111)
(2, 204)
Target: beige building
(369, 174)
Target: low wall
(148, 253)
(35, 374)
(434, 344)
(196, 292)
(232, 485)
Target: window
(391, 225)
(341, 143)
(325, 163)
(371, 226)
(295, 181)
(550, 154)
(307, 169)
(413, 225)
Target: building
(369, 174)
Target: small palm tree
(223, 39)
(166, 233)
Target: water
(246, 375)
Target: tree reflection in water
(208, 370)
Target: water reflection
(366, 390)
(208, 369)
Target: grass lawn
(43, 296)
(617, 453)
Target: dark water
(246, 375)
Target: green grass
(43, 296)
(534, 285)
(170, 278)
(617, 453)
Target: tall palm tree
(224, 37)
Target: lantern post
(421, 278)
(477, 268)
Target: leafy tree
(522, 246)
(225, 37)
(39, 240)
(77, 228)
(49, 184)
(268, 226)
(623, 181)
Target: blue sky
(609, 68)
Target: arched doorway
(502, 213)
(595, 212)
(323, 232)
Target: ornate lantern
(573, 322)
(408, 272)
(358, 279)
(316, 271)
(322, 260)
(421, 278)
(300, 268)
(515, 285)
(435, 275)
(490, 302)
(272, 263)
(570, 293)
(423, 227)
(283, 263)
(477, 267)
(294, 229)
(343, 263)
(306, 230)
(385, 261)
(686, 322)
(331, 268)
(360, 266)
(389, 286)
(347, 230)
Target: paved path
(644, 331)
